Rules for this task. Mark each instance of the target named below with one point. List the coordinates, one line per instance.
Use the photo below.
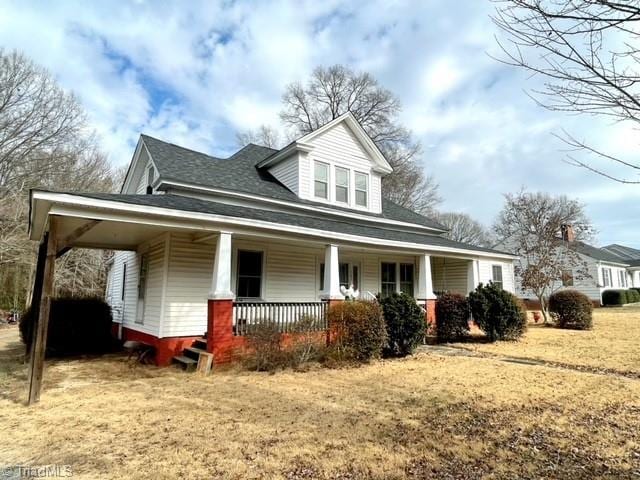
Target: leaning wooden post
(39, 341)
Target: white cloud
(195, 74)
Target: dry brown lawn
(429, 416)
(612, 345)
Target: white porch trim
(221, 280)
(425, 280)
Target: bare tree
(463, 228)
(335, 90)
(531, 226)
(264, 135)
(588, 52)
(38, 122)
(44, 143)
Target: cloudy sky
(195, 73)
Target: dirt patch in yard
(429, 416)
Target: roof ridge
(182, 148)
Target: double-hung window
(387, 279)
(348, 274)
(606, 277)
(406, 278)
(362, 189)
(342, 185)
(321, 180)
(496, 275)
(249, 277)
(622, 278)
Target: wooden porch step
(200, 343)
(187, 364)
(193, 353)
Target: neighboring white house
(258, 229)
(610, 267)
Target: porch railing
(289, 317)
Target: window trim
(493, 279)
(327, 182)
(347, 186)
(356, 189)
(567, 277)
(351, 263)
(397, 270)
(124, 281)
(607, 280)
(236, 277)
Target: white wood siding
(486, 274)
(189, 280)
(153, 293)
(287, 172)
(449, 274)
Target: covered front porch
(177, 274)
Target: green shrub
(265, 344)
(452, 317)
(571, 309)
(633, 295)
(405, 323)
(498, 313)
(76, 326)
(357, 330)
(614, 297)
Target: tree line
(46, 143)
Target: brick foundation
(166, 348)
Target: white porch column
(425, 282)
(473, 275)
(331, 287)
(221, 281)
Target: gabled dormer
(337, 164)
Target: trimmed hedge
(633, 295)
(498, 313)
(357, 329)
(614, 297)
(76, 326)
(405, 324)
(452, 317)
(571, 309)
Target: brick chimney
(567, 233)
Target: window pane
(342, 177)
(497, 273)
(406, 278)
(361, 181)
(343, 275)
(320, 189)
(249, 263)
(322, 172)
(249, 274)
(355, 277)
(361, 198)
(342, 194)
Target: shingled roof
(240, 173)
(319, 221)
(596, 253)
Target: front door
(142, 287)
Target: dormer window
(342, 185)
(362, 189)
(321, 180)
